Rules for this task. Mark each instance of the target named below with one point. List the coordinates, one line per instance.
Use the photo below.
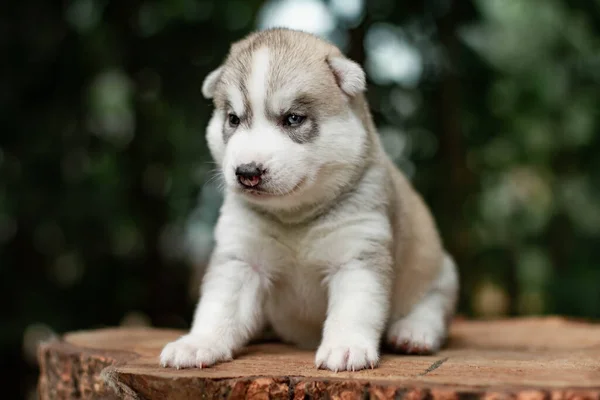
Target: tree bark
(549, 358)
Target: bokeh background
(491, 107)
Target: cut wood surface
(545, 359)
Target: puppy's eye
(233, 120)
(293, 119)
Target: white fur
(326, 284)
(229, 313)
(214, 138)
(257, 86)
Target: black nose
(249, 175)
(250, 170)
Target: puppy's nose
(249, 175)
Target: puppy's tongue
(252, 181)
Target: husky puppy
(320, 236)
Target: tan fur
(419, 250)
(291, 49)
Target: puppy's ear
(210, 83)
(349, 75)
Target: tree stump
(529, 359)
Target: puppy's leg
(357, 309)
(228, 315)
(425, 328)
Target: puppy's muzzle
(249, 175)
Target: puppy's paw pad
(413, 337)
(192, 352)
(341, 357)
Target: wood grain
(529, 359)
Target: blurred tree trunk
(454, 175)
(357, 34)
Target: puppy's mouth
(259, 191)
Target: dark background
(491, 107)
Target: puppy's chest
(299, 256)
(293, 268)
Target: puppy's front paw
(191, 351)
(347, 355)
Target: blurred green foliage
(106, 197)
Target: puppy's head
(288, 126)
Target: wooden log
(528, 359)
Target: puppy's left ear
(349, 76)
(210, 83)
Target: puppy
(320, 236)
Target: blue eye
(293, 119)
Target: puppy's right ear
(210, 83)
